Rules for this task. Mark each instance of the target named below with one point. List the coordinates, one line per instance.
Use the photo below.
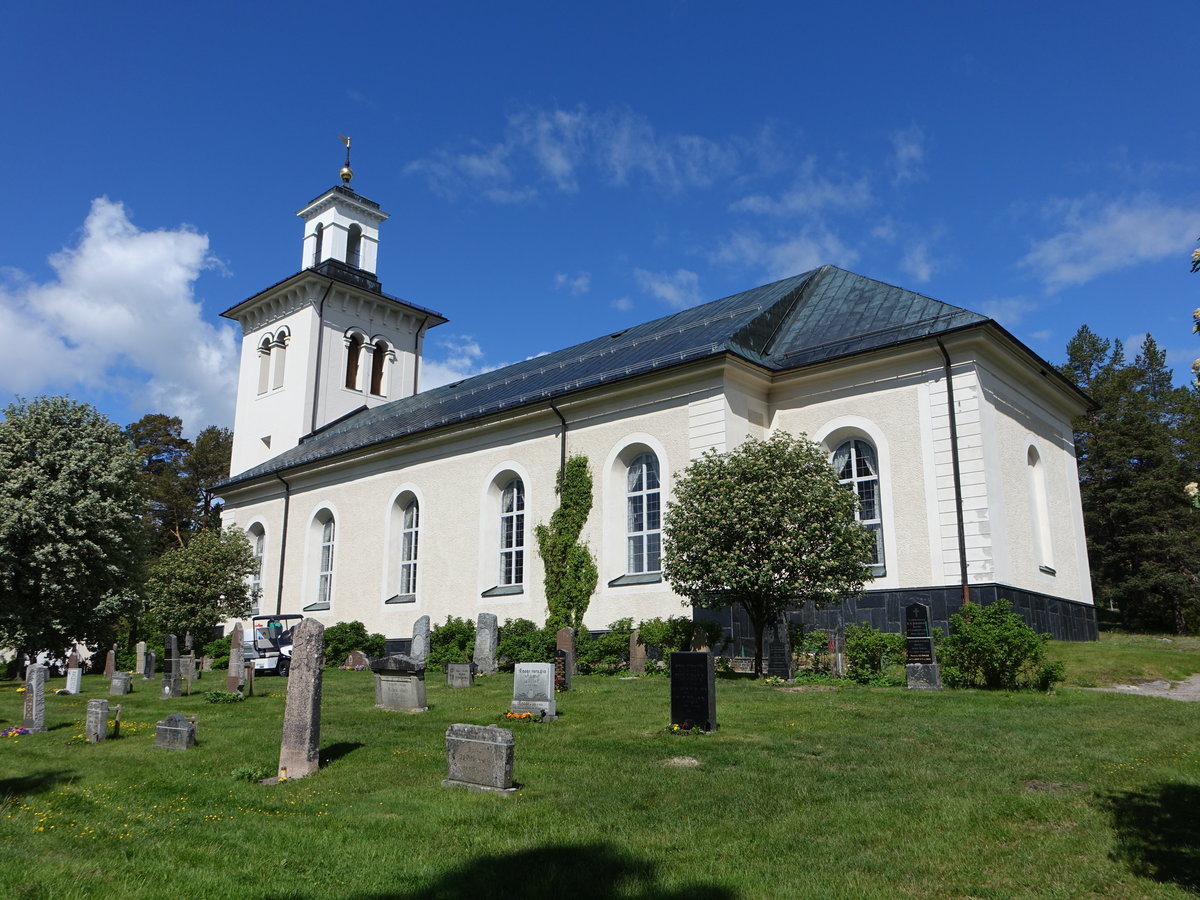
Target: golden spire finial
(347, 174)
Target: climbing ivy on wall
(571, 573)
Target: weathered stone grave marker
(121, 684)
(171, 686)
(95, 727)
(460, 675)
(74, 674)
(35, 698)
(399, 683)
(479, 757)
(486, 637)
(110, 662)
(139, 662)
(637, 654)
(420, 639)
(175, 732)
(533, 690)
(357, 660)
(693, 691)
(922, 669)
(233, 678)
(564, 640)
(300, 748)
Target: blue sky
(555, 171)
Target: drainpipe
(417, 338)
(562, 454)
(287, 502)
(320, 342)
(958, 505)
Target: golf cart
(273, 642)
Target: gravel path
(1188, 689)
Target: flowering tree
(765, 526)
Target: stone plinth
(479, 757)
(400, 692)
(121, 684)
(924, 676)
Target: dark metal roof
(820, 315)
(345, 192)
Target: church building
(367, 499)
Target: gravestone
(564, 639)
(74, 674)
(248, 673)
(637, 654)
(95, 727)
(139, 662)
(699, 642)
(187, 669)
(110, 662)
(562, 670)
(486, 636)
(151, 665)
(693, 691)
(399, 683)
(533, 689)
(356, 660)
(187, 642)
(171, 686)
(121, 684)
(35, 698)
(420, 639)
(479, 757)
(779, 651)
(299, 749)
(921, 666)
(460, 675)
(233, 678)
(175, 732)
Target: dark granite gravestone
(175, 732)
(923, 672)
(779, 651)
(564, 640)
(172, 687)
(151, 665)
(562, 670)
(479, 757)
(693, 691)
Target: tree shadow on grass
(27, 785)
(334, 752)
(578, 872)
(1158, 832)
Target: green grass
(1124, 658)
(847, 792)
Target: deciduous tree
(765, 526)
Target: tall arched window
(378, 361)
(643, 516)
(353, 352)
(857, 468)
(317, 244)
(1041, 511)
(264, 365)
(512, 533)
(325, 563)
(279, 357)
(408, 548)
(354, 245)
(258, 540)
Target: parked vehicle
(273, 642)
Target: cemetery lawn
(848, 791)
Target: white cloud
(579, 283)
(908, 155)
(785, 255)
(624, 304)
(552, 148)
(1009, 311)
(679, 289)
(917, 263)
(456, 357)
(1099, 236)
(810, 193)
(120, 319)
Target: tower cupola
(342, 225)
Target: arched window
(857, 468)
(643, 516)
(258, 540)
(353, 352)
(408, 548)
(1041, 511)
(354, 245)
(378, 361)
(512, 533)
(325, 563)
(264, 365)
(317, 244)
(279, 355)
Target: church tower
(327, 341)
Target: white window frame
(866, 487)
(643, 516)
(512, 533)
(325, 562)
(410, 528)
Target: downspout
(320, 343)
(287, 502)
(562, 453)
(417, 341)
(958, 499)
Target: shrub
(668, 635)
(344, 638)
(452, 641)
(223, 697)
(992, 647)
(218, 651)
(870, 651)
(522, 641)
(605, 654)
